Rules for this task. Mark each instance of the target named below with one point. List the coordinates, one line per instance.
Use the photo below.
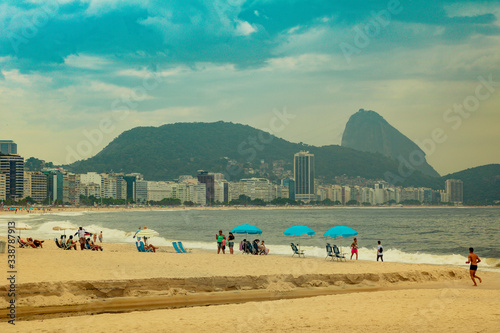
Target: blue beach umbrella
(299, 230)
(246, 229)
(340, 231)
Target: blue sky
(75, 74)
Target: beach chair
(182, 248)
(338, 255)
(296, 251)
(176, 247)
(329, 251)
(21, 244)
(140, 247)
(59, 245)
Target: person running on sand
(380, 251)
(354, 248)
(473, 260)
(220, 237)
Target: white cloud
(86, 61)
(243, 28)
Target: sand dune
(354, 295)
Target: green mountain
(169, 151)
(368, 131)
(481, 184)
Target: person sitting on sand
(473, 260)
(150, 246)
(263, 249)
(354, 248)
(71, 243)
(36, 242)
(93, 246)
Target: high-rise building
(8, 147)
(13, 168)
(303, 170)
(454, 190)
(3, 186)
(71, 188)
(54, 184)
(209, 181)
(290, 183)
(35, 185)
(131, 186)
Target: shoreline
(56, 210)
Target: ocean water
(411, 235)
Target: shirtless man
(473, 260)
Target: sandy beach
(121, 289)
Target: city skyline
(71, 68)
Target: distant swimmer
(473, 260)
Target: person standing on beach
(100, 237)
(380, 251)
(220, 237)
(354, 248)
(473, 260)
(95, 237)
(81, 235)
(230, 242)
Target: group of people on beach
(222, 242)
(354, 250)
(86, 243)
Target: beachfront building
(131, 180)
(35, 185)
(3, 186)
(54, 184)
(157, 191)
(197, 194)
(141, 190)
(303, 171)
(90, 184)
(90, 190)
(208, 179)
(290, 183)
(71, 188)
(454, 190)
(8, 147)
(13, 168)
(108, 186)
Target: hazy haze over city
(84, 71)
